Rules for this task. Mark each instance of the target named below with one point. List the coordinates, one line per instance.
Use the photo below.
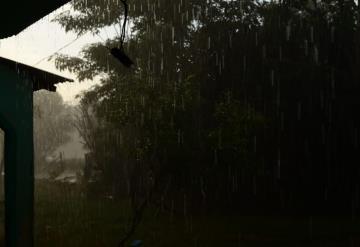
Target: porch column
(16, 120)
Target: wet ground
(64, 217)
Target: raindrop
(256, 39)
(209, 42)
(333, 83)
(316, 55)
(228, 97)
(198, 14)
(355, 138)
(223, 60)
(311, 34)
(278, 99)
(230, 40)
(179, 136)
(254, 185)
(172, 35)
(299, 110)
(325, 194)
(306, 47)
(288, 31)
(233, 183)
(142, 119)
(278, 164)
(185, 206)
(202, 189)
(190, 224)
(162, 203)
(255, 144)
(322, 99)
(332, 34)
(220, 138)
(174, 104)
(142, 100)
(264, 52)
(215, 157)
(244, 63)
(162, 65)
(323, 133)
(310, 225)
(172, 210)
(272, 77)
(154, 12)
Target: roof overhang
(16, 15)
(41, 79)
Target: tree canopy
(228, 98)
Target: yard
(64, 217)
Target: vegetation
(65, 217)
(53, 123)
(245, 107)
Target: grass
(71, 219)
(65, 217)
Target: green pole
(16, 120)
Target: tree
(52, 125)
(202, 67)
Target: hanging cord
(56, 52)
(123, 31)
(116, 52)
(119, 53)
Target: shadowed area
(27, 13)
(2, 213)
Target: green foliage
(237, 124)
(205, 105)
